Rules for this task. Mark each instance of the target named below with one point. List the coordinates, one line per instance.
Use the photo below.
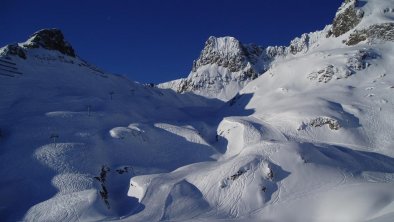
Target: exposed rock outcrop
(321, 121)
(226, 52)
(102, 178)
(230, 53)
(225, 63)
(15, 50)
(323, 75)
(383, 31)
(347, 18)
(51, 39)
(299, 44)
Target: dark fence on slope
(8, 68)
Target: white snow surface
(311, 139)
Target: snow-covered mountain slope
(63, 120)
(226, 65)
(308, 140)
(311, 139)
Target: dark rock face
(234, 60)
(102, 178)
(347, 18)
(229, 53)
(274, 51)
(383, 31)
(16, 50)
(388, 10)
(321, 121)
(51, 39)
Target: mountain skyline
(126, 37)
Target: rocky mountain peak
(347, 17)
(223, 45)
(13, 49)
(365, 20)
(224, 66)
(226, 52)
(52, 39)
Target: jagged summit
(41, 48)
(226, 45)
(227, 52)
(226, 65)
(49, 39)
(52, 39)
(347, 17)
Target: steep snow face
(346, 89)
(223, 68)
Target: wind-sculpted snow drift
(308, 135)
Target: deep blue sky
(157, 40)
